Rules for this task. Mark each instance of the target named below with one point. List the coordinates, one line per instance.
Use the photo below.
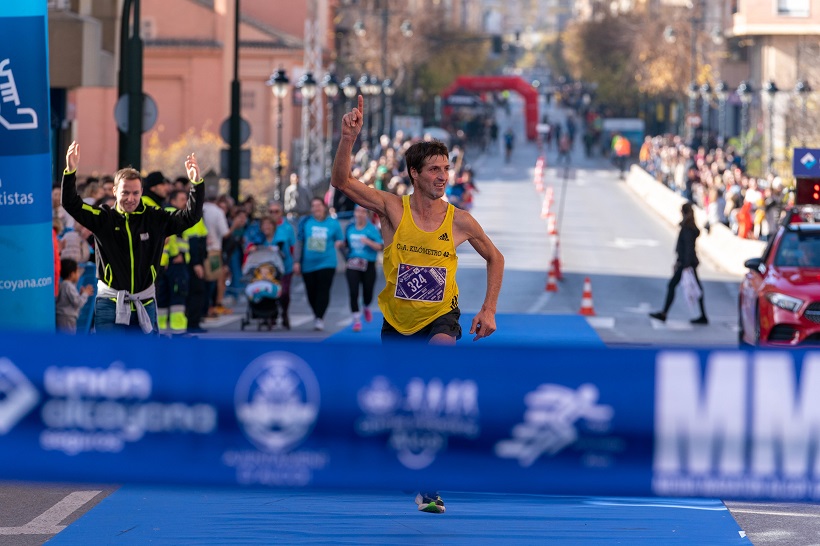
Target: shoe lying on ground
(432, 505)
(357, 326)
(700, 320)
(659, 316)
(368, 316)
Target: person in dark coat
(687, 257)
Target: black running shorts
(445, 324)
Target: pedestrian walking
(686, 259)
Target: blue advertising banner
(573, 421)
(27, 277)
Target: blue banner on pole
(728, 424)
(806, 163)
(27, 280)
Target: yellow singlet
(420, 271)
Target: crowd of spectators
(382, 166)
(713, 177)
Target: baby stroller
(262, 273)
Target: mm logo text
(743, 425)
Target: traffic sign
(149, 113)
(244, 131)
(244, 163)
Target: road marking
(642, 308)
(540, 303)
(47, 523)
(633, 243)
(770, 513)
(601, 322)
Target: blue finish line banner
(728, 424)
(26, 251)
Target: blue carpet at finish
(549, 330)
(138, 516)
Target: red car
(779, 301)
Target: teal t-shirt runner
(318, 243)
(355, 244)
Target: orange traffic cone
(552, 284)
(556, 260)
(552, 228)
(586, 300)
(545, 206)
(538, 177)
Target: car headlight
(783, 301)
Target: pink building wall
(191, 83)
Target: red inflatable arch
(502, 83)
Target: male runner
(421, 232)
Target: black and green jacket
(129, 245)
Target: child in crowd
(69, 299)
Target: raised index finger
(361, 105)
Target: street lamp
(348, 87)
(705, 97)
(389, 91)
(307, 86)
(375, 93)
(721, 92)
(331, 89)
(770, 88)
(279, 83)
(692, 92)
(364, 87)
(744, 91)
(802, 90)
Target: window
(793, 8)
(248, 99)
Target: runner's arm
(483, 323)
(361, 194)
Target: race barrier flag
(731, 424)
(26, 251)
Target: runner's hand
(72, 157)
(483, 324)
(192, 168)
(353, 121)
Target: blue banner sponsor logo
(277, 401)
(743, 425)
(23, 195)
(556, 418)
(24, 114)
(419, 421)
(806, 162)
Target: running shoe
(318, 325)
(432, 505)
(357, 326)
(368, 316)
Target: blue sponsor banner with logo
(806, 163)
(728, 424)
(25, 169)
